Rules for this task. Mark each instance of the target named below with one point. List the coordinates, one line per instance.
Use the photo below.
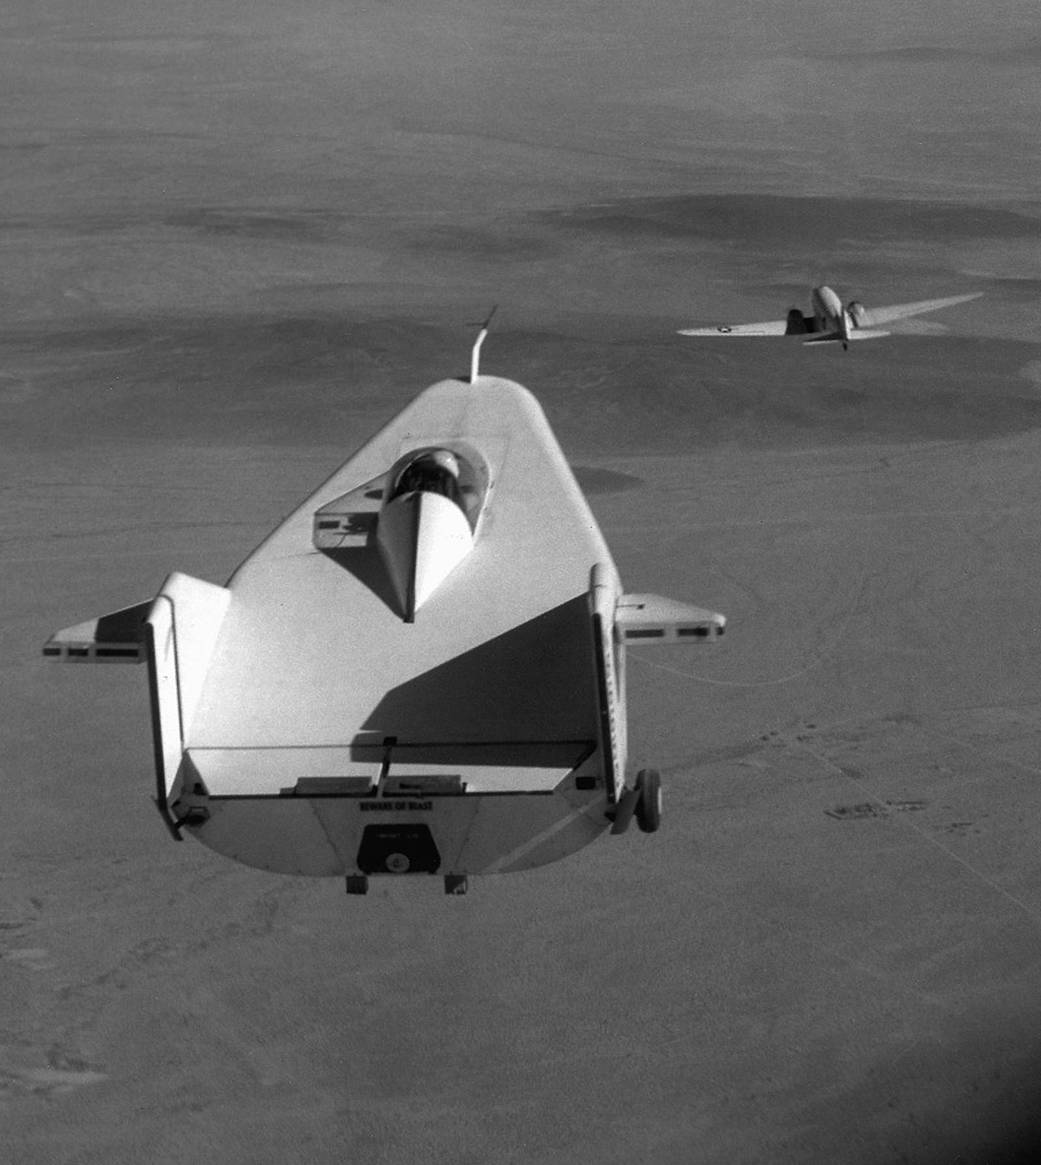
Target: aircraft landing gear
(648, 804)
(642, 801)
(624, 810)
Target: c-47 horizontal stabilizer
(115, 638)
(653, 619)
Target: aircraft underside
(401, 833)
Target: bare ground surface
(237, 241)
(831, 951)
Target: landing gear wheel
(648, 806)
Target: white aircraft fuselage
(420, 671)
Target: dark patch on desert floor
(501, 242)
(756, 220)
(277, 380)
(1019, 288)
(27, 147)
(301, 226)
(596, 480)
(1018, 55)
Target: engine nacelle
(857, 313)
(797, 323)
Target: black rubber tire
(648, 807)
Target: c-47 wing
(769, 328)
(872, 317)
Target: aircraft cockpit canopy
(441, 471)
(429, 471)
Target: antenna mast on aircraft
(475, 355)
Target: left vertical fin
(603, 597)
(181, 633)
(176, 633)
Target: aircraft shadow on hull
(533, 682)
(366, 564)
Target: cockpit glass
(434, 472)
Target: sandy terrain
(236, 239)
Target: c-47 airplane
(831, 322)
(421, 671)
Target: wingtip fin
(654, 619)
(114, 638)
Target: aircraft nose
(830, 300)
(423, 537)
(443, 539)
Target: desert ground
(236, 239)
